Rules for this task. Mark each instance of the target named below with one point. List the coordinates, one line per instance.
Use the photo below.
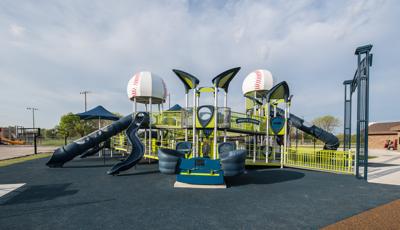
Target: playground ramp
(91, 141)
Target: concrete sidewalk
(385, 168)
(13, 151)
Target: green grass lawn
(23, 159)
(52, 142)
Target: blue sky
(52, 50)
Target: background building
(381, 132)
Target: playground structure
(204, 143)
(11, 135)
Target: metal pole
(169, 100)
(186, 108)
(33, 115)
(150, 133)
(285, 133)
(358, 117)
(297, 138)
(345, 118)
(85, 95)
(215, 122)
(33, 118)
(254, 147)
(85, 102)
(366, 121)
(99, 129)
(254, 137)
(194, 124)
(145, 131)
(158, 130)
(135, 105)
(197, 135)
(267, 131)
(225, 111)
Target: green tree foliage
(71, 126)
(68, 126)
(50, 133)
(118, 114)
(327, 122)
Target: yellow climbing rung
(150, 156)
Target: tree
(118, 114)
(71, 125)
(327, 122)
(50, 133)
(67, 125)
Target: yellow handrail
(324, 160)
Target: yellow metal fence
(323, 160)
(119, 142)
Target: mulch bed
(383, 217)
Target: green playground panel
(226, 120)
(308, 158)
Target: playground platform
(82, 195)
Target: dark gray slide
(80, 146)
(137, 151)
(94, 150)
(330, 140)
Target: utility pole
(85, 93)
(33, 127)
(33, 115)
(169, 100)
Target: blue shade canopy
(176, 107)
(98, 112)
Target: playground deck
(81, 195)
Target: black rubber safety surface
(82, 196)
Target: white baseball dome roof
(258, 81)
(145, 85)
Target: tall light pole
(85, 93)
(33, 115)
(169, 101)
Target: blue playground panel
(200, 171)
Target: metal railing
(119, 142)
(169, 119)
(323, 160)
(237, 122)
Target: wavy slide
(137, 148)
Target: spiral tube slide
(330, 140)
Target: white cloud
(17, 30)
(99, 46)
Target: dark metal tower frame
(360, 83)
(347, 115)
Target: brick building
(381, 132)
